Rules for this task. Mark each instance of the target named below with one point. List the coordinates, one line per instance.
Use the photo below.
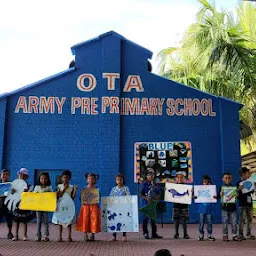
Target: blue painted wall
(104, 143)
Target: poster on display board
(165, 158)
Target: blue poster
(5, 188)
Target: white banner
(119, 214)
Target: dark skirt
(23, 215)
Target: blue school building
(108, 113)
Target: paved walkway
(135, 246)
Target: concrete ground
(135, 246)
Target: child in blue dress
(120, 190)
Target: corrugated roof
(249, 161)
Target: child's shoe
(241, 237)
(225, 239)
(250, 237)
(86, 238)
(70, 239)
(38, 239)
(236, 238)
(146, 236)
(15, 238)
(46, 239)
(92, 238)
(10, 235)
(200, 238)
(124, 239)
(25, 238)
(211, 238)
(176, 236)
(186, 236)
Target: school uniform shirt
(123, 191)
(40, 189)
(149, 190)
(245, 200)
(225, 206)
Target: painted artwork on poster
(166, 158)
(5, 188)
(33, 201)
(65, 212)
(178, 193)
(90, 196)
(248, 186)
(229, 195)
(13, 200)
(205, 193)
(119, 214)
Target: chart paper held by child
(205, 193)
(38, 201)
(5, 188)
(229, 195)
(90, 196)
(178, 193)
(119, 214)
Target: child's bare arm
(74, 191)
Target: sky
(36, 35)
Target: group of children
(180, 213)
(89, 219)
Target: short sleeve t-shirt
(123, 191)
(68, 190)
(40, 189)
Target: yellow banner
(45, 201)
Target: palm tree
(218, 56)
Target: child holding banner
(23, 216)
(89, 219)
(4, 212)
(120, 190)
(42, 217)
(70, 190)
(228, 210)
(205, 211)
(180, 211)
(245, 205)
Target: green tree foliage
(218, 55)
